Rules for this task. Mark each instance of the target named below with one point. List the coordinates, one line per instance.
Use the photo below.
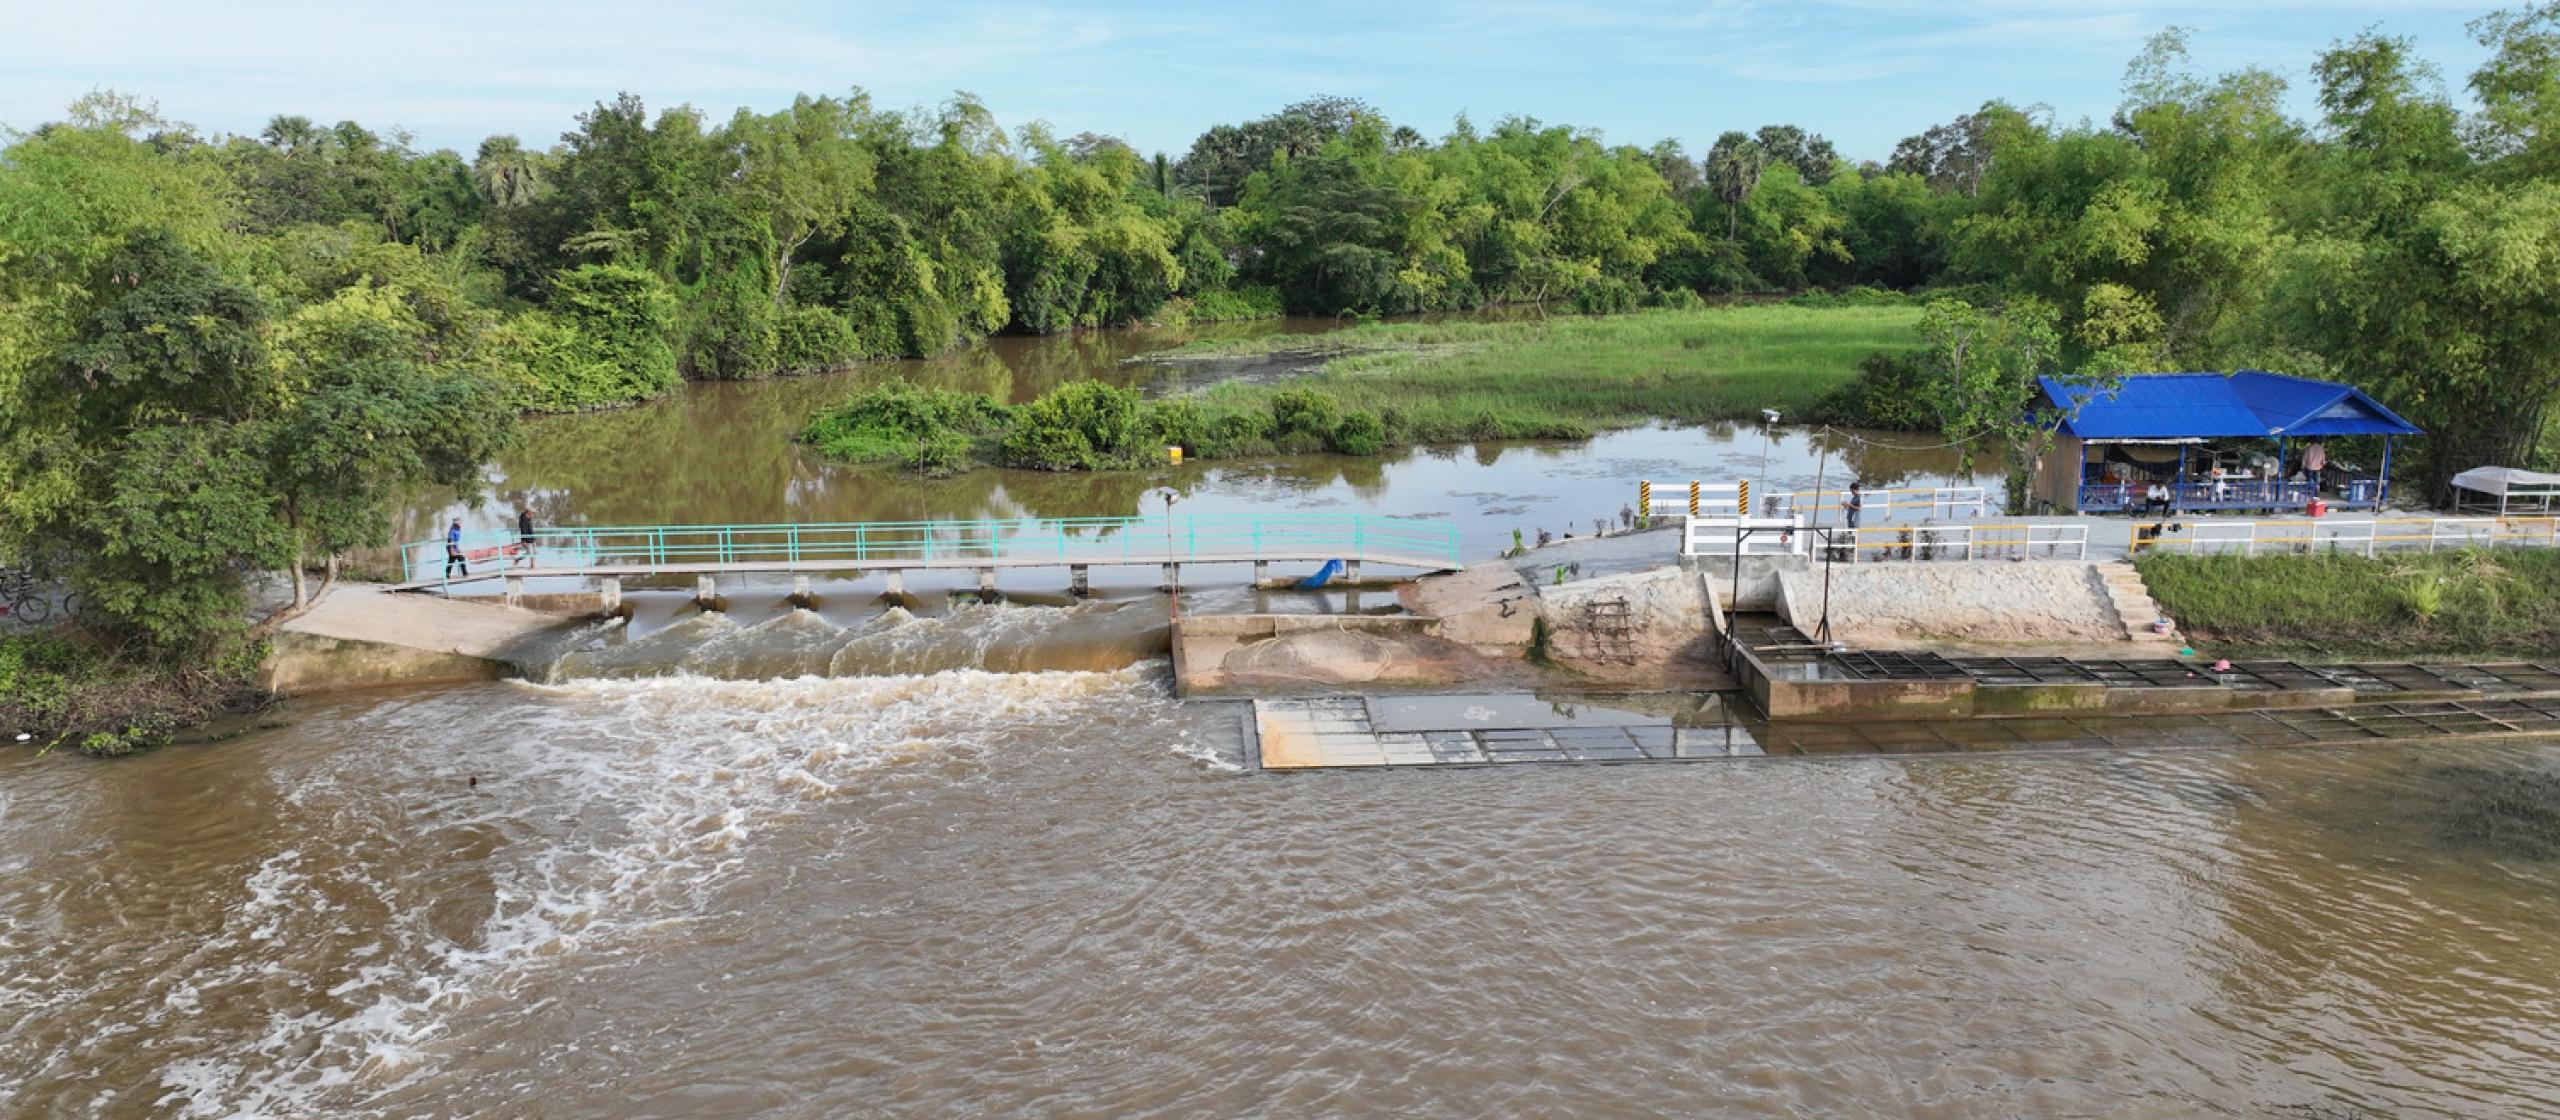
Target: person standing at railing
(1853, 504)
(453, 550)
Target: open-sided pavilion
(2177, 430)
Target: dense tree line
(221, 353)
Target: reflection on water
(1038, 893)
(722, 453)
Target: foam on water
(625, 805)
(1002, 637)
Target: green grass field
(1569, 376)
(1398, 384)
(2503, 603)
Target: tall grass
(2501, 603)
(1571, 376)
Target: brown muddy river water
(920, 888)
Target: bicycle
(25, 607)
(22, 601)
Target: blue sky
(1864, 72)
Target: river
(1052, 892)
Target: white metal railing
(1748, 536)
(1997, 541)
(2364, 536)
(2053, 541)
(1671, 499)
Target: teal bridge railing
(607, 550)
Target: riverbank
(55, 692)
(1390, 385)
(2475, 603)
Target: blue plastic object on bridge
(1323, 576)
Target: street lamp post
(1768, 422)
(1172, 571)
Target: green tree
(1983, 381)
(803, 169)
(1734, 167)
(1813, 157)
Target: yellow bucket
(1173, 455)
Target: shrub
(1888, 393)
(816, 338)
(1305, 418)
(1081, 425)
(944, 453)
(1178, 422)
(146, 732)
(1235, 433)
(1858, 296)
(1360, 433)
(1251, 301)
(886, 422)
(735, 336)
(1602, 295)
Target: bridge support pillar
(515, 591)
(986, 581)
(1172, 577)
(800, 596)
(609, 594)
(1079, 581)
(897, 581)
(1261, 572)
(1351, 571)
(706, 593)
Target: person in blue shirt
(453, 550)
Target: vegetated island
(1400, 384)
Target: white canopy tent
(2507, 485)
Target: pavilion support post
(609, 595)
(2382, 485)
(2178, 493)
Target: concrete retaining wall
(299, 664)
(1885, 606)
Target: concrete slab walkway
(366, 612)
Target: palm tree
(506, 175)
(1734, 167)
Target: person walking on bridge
(453, 550)
(524, 535)
(1854, 504)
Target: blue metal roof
(2213, 406)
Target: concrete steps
(2131, 600)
